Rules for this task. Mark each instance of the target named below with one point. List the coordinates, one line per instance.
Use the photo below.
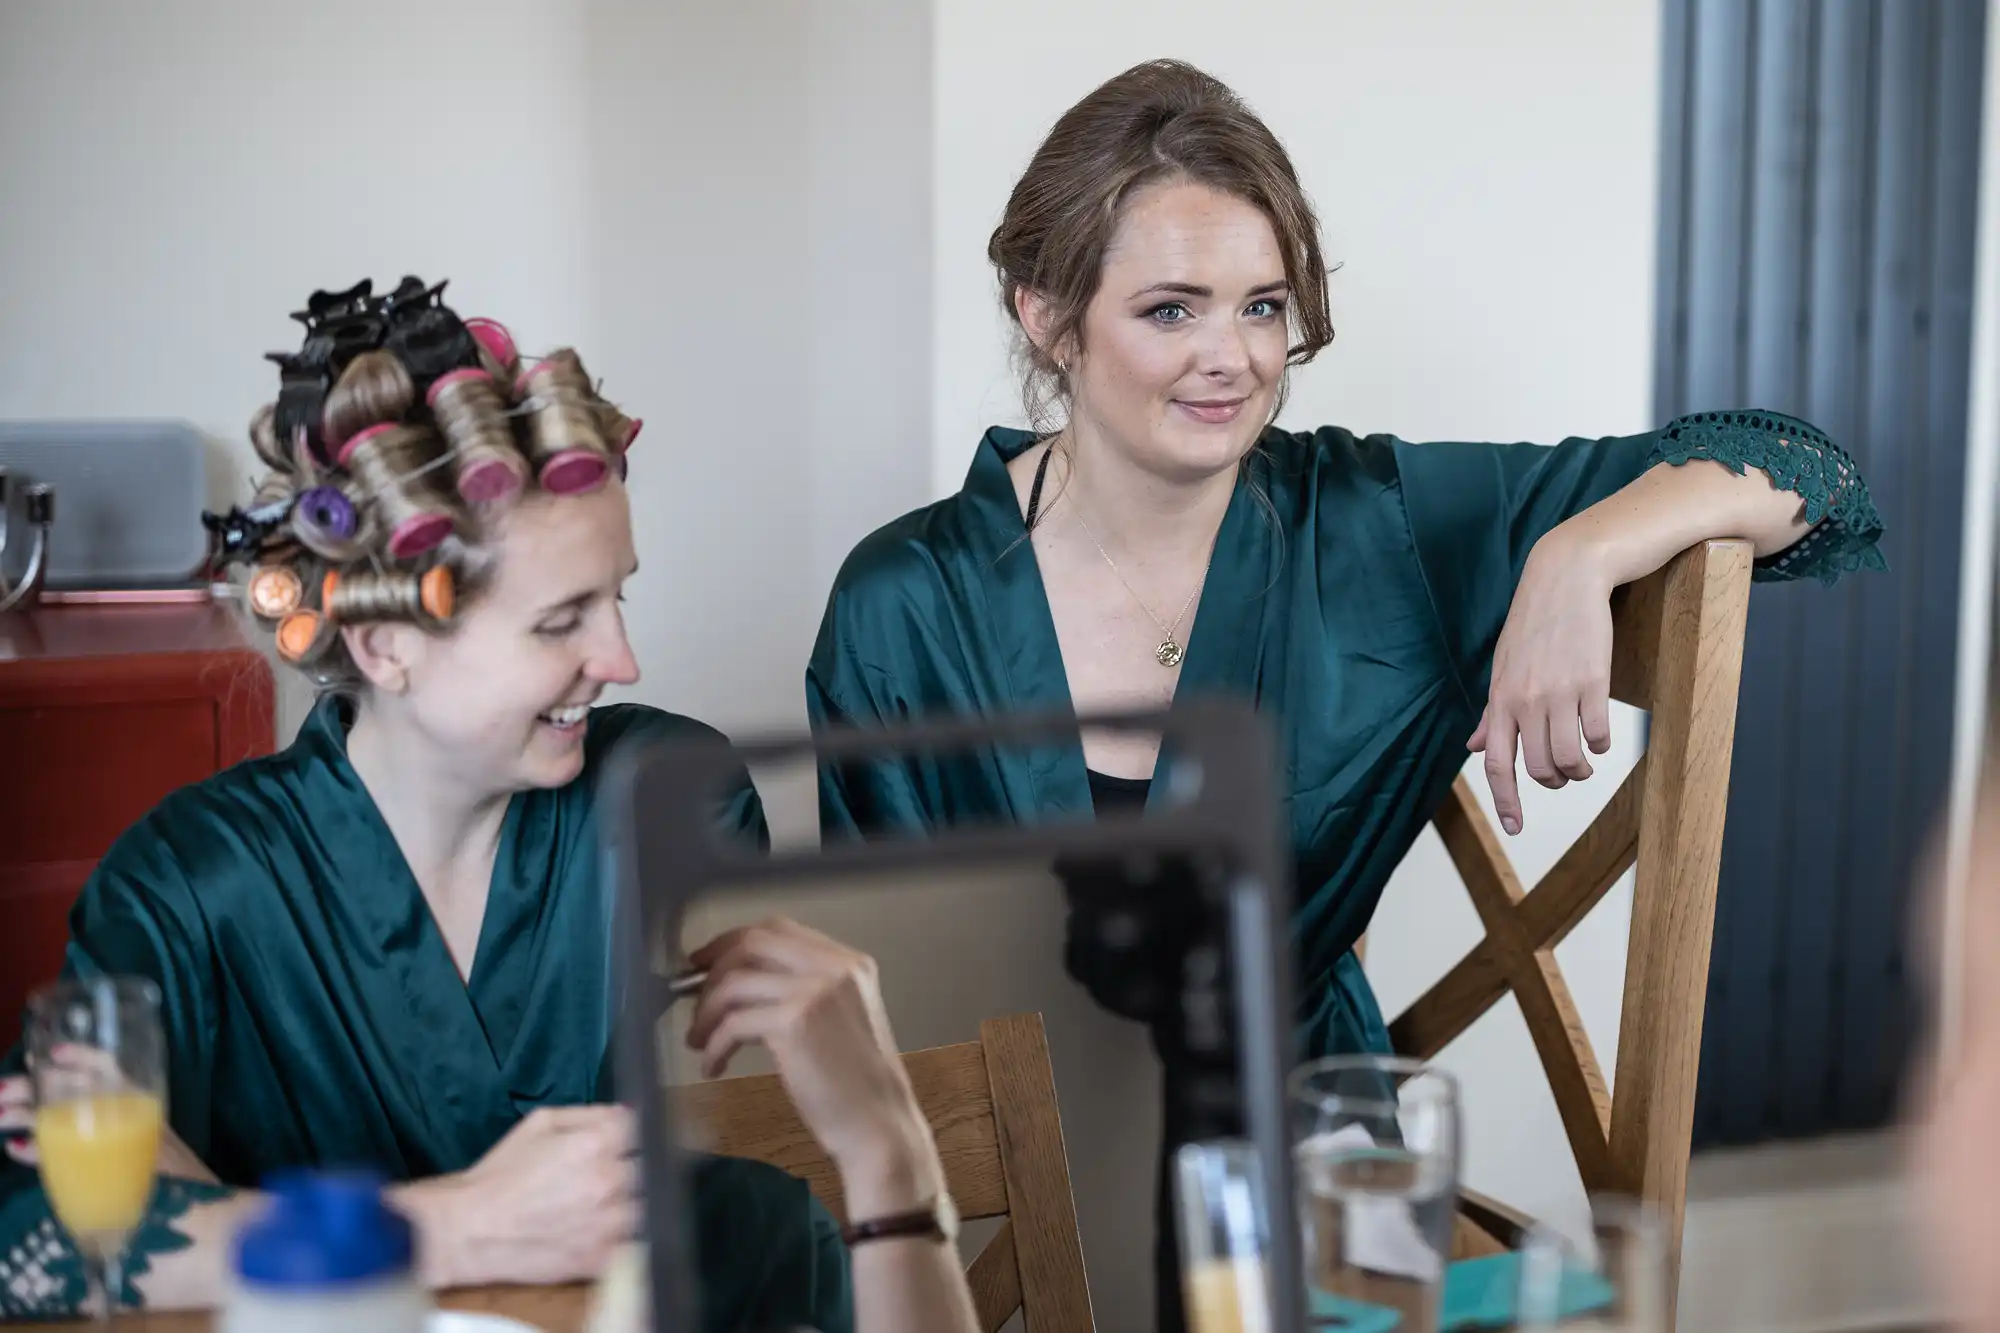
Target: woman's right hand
(550, 1203)
(816, 1005)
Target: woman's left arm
(1521, 545)
(1774, 482)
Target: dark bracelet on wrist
(936, 1221)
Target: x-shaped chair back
(1678, 653)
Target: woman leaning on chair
(1391, 605)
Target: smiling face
(1183, 347)
(504, 695)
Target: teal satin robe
(1357, 590)
(314, 1016)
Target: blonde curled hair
(400, 436)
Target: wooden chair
(991, 1104)
(1678, 653)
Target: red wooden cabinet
(103, 711)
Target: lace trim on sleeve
(1797, 458)
(41, 1274)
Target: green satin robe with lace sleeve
(1357, 590)
(314, 1016)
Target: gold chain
(1170, 652)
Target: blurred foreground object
(1958, 1153)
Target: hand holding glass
(97, 1056)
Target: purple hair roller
(327, 511)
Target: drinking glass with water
(1375, 1145)
(1625, 1259)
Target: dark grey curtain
(1818, 209)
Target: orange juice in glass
(1225, 1237)
(97, 1055)
(97, 1160)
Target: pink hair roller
(348, 447)
(416, 534)
(574, 471)
(450, 378)
(489, 479)
(493, 336)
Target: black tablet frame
(663, 851)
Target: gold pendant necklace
(1170, 652)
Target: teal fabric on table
(1478, 1294)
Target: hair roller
(365, 596)
(618, 429)
(496, 342)
(393, 466)
(471, 414)
(567, 444)
(275, 453)
(375, 388)
(275, 591)
(302, 636)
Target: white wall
(1486, 175)
(742, 259)
(173, 189)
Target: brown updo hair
(399, 474)
(1164, 120)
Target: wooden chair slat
(1636, 614)
(991, 1105)
(995, 1278)
(1475, 850)
(1698, 670)
(1531, 972)
(1039, 1201)
(753, 1117)
(1677, 650)
(1573, 886)
(1589, 867)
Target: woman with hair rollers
(385, 946)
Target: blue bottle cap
(321, 1230)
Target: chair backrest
(991, 1105)
(1678, 653)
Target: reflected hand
(1551, 678)
(816, 1005)
(550, 1203)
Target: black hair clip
(339, 327)
(323, 306)
(426, 335)
(409, 293)
(241, 535)
(302, 386)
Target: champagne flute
(97, 1056)
(1224, 1224)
